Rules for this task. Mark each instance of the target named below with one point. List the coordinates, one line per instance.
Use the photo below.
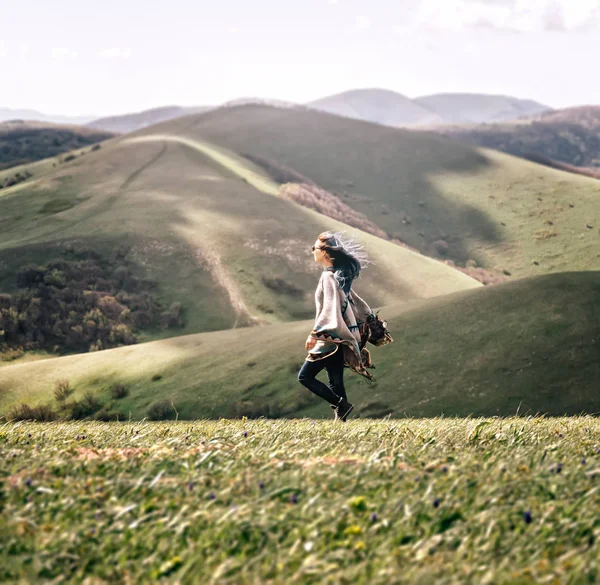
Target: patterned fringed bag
(378, 333)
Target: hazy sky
(112, 56)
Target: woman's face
(320, 256)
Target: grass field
(530, 346)
(486, 501)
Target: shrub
(156, 377)
(62, 390)
(96, 147)
(161, 410)
(41, 413)
(282, 287)
(328, 204)
(173, 317)
(441, 247)
(107, 415)
(79, 304)
(85, 407)
(118, 391)
(12, 353)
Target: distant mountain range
(9, 114)
(130, 122)
(394, 109)
(372, 105)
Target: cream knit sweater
(340, 322)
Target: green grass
(421, 188)
(530, 346)
(503, 501)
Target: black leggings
(334, 364)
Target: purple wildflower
(261, 485)
(584, 461)
(436, 503)
(190, 485)
(445, 469)
(245, 433)
(527, 517)
(294, 499)
(374, 517)
(212, 496)
(28, 482)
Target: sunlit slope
(202, 223)
(528, 346)
(503, 212)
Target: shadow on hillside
(388, 174)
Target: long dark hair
(347, 256)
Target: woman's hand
(310, 343)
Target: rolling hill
(570, 136)
(24, 142)
(529, 346)
(200, 224)
(474, 108)
(448, 200)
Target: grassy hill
(201, 225)
(377, 105)
(24, 142)
(570, 136)
(462, 108)
(529, 346)
(445, 199)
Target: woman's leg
(307, 377)
(335, 373)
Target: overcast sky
(101, 57)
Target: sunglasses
(317, 248)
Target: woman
(340, 330)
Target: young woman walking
(340, 330)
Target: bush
(80, 304)
(62, 390)
(11, 353)
(280, 286)
(441, 247)
(108, 415)
(118, 391)
(85, 407)
(173, 317)
(161, 410)
(156, 377)
(40, 413)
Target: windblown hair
(348, 257)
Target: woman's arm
(362, 309)
(327, 319)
